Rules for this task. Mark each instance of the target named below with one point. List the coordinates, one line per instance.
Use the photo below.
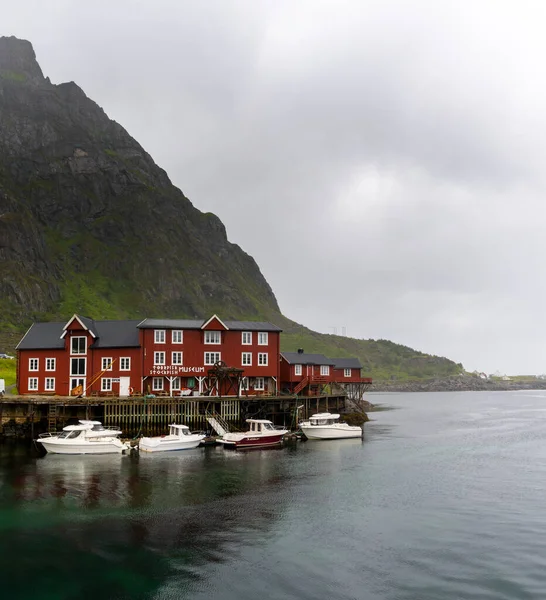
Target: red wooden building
(160, 356)
(308, 373)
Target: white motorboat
(88, 437)
(326, 426)
(261, 433)
(179, 438)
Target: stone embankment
(458, 384)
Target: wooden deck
(152, 414)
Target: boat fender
(131, 390)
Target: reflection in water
(142, 517)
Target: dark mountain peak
(18, 60)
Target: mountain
(90, 224)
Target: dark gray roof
(116, 334)
(295, 358)
(42, 336)
(109, 334)
(347, 363)
(198, 323)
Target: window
(106, 384)
(33, 383)
(212, 357)
(262, 338)
(50, 364)
(125, 363)
(157, 384)
(50, 384)
(159, 336)
(78, 345)
(159, 358)
(177, 336)
(213, 337)
(106, 364)
(262, 359)
(347, 372)
(259, 383)
(177, 358)
(246, 338)
(33, 364)
(77, 366)
(324, 370)
(297, 370)
(175, 385)
(246, 358)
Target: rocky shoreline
(458, 384)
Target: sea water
(443, 499)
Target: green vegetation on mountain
(91, 225)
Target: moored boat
(179, 438)
(261, 433)
(88, 437)
(326, 426)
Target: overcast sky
(383, 161)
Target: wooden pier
(26, 416)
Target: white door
(124, 383)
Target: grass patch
(8, 370)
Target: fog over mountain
(381, 161)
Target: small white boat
(261, 433)
(179, 438)
(89, 437)
(326, 426)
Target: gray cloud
(382, 161)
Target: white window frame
(159, 357)
(177, 336)
(106, 384)
(263, 338)
(73, 339)
(324, 370)
(125, 363)
(212, 357)
(78, 375)
(159, 336)
(213, 337)
(158, 384)
(248, 357)
(175, 354)
(298, 370)
(246, 338)
(50, 364)
(244, 384)
(49, 384)
(33, 384)
(33, 364)
(263, 359)
(176, 384)
(259, 383)
(106, 363)
(347, 372)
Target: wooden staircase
(303, 383)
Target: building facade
(158, 356)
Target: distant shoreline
(458, 384)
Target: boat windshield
(321, 422)
(98, 427)
(268, 426)
(69, 435)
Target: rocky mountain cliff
(89, 223)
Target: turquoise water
(443, 499)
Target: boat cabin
(179, 430)
(260, 425)
(323, 419)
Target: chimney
(300, 350)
